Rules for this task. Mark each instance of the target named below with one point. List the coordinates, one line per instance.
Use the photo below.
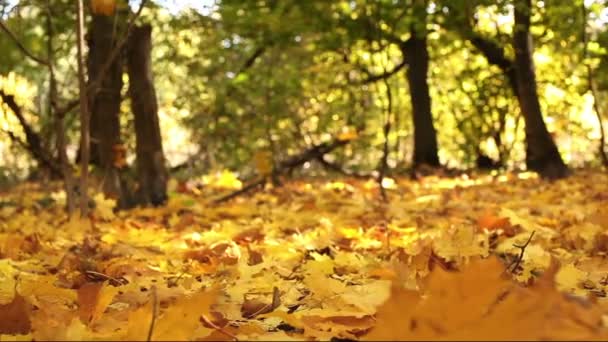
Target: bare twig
(276, 301)
(208, 322)
(259, 182)
(154, 313)
(338, 168)
(113, 281)
(383, 76)
(522, 248)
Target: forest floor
(480, 257)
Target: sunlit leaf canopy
(234, 78)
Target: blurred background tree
(239, 79)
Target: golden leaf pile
(472, 258)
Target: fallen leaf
(93, 299)
(181, 319)
(14, 316)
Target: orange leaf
(93, 299)
(491, 221)
(103, 7)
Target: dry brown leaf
(254, 307)
(249, 236)
(14, 316)
(227, 253)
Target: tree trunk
(151, 171)
(84, 114)
(105, 107)
(415, 49)
(542, 155)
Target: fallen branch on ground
(286, 166)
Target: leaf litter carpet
(474, 258)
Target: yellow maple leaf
(182, 319)
(7, 281)
(104, 207)
(477, 303)
(461, 242)
(569, 278)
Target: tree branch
(20, 45)
(249, 62)
(385, 75)
(288, 165)
(493, 52)
(338, 168)
(34, 145)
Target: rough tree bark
(425, 136)
(105, 107)
(151, 171)
(542, 155)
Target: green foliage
(272, 75)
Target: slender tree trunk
(592, 88)
(151, 171)
(84, 115)
(425, 136)
(383, 165)
(542, 155)
(105, 108)
(66, 168)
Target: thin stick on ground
(287, 166)
(154, 313)
(113, 281)
(520, 257)
(208, 322)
